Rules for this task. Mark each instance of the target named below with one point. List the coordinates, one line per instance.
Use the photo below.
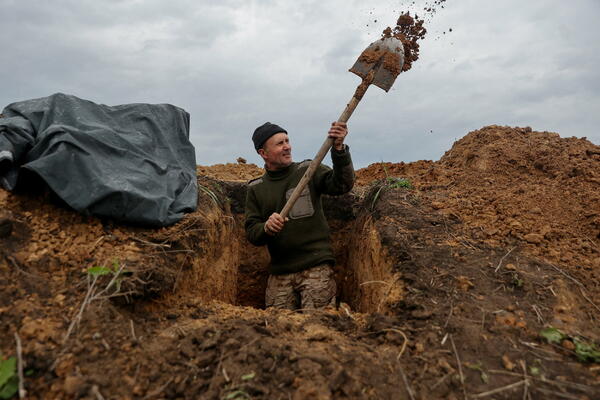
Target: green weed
(478, 367)
(394, 182)
(117, 271)
(9, 381)
(517, 282)
(585, 351)
(390, 182)
(249, 376)
(238, 394)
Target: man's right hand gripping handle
(274, 224)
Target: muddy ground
(444, 287)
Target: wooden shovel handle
(314, 164)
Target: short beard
(283, 164)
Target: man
(301, 274)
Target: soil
(241, 172)
(444, 286)
(432, 6)
(409, 31)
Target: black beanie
(265, 131)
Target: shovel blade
(385, 57)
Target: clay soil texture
(409, 31)
(447, 273)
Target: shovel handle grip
(310, 171)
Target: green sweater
(304, 240)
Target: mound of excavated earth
(445, 286)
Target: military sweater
(304, 241)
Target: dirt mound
(518, 188)
(231, 172)
(445, 287)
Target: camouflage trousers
(311, 288)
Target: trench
(230, 269)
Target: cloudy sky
(235, 64)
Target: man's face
(277, 151)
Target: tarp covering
(132, 162)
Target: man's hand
(274, 224)
(338, 132)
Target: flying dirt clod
(409, 31)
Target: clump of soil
(519, 188)
(409, 31)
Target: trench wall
(212, 270)
(366, 280)
(226, 267)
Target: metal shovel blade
(385, 57)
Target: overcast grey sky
(236, 64)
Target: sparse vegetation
(209, 193)
(92, 294)
(118, 274)
(390, 182)
(584, 350)
(9, 381)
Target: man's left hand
(338, 132)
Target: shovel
(379, 64)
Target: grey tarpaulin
(130, 162)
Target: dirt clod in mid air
(409, 30)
